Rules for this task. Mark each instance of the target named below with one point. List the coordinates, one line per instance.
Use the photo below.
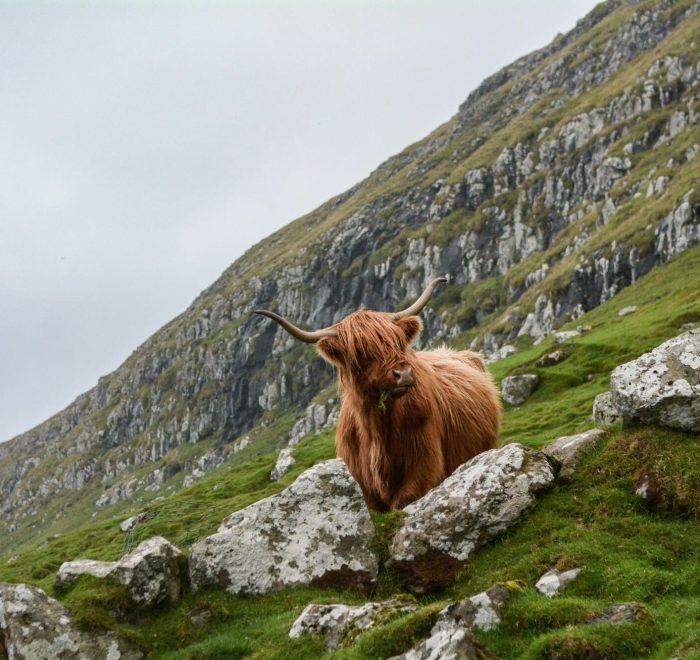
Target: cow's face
(372, 350)
(372, 353)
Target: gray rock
(662, 386)
(451, 636)
(130, 523)
(552, 582)
(285, 462)
(625, 311)
(622, 613)
(448, 644)
(200, 616)
(478, 612)
(604, 412)
(517, 389)
(36, 627)
(341, 625)
(563, 337)
(316, 531)
(570, 449)
(151, 573)
(70, 571)
(501, 353)
(550, 359)
(480, 500)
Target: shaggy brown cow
(408, 418)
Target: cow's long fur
(399, 449)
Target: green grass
(630, 552)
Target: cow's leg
(418, 481)
(374, 503)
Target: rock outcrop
(36, 627)
(543, 201)
(662, 386)
(480, 500)
(151, 573)
(316, 531)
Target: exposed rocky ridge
(529, 195)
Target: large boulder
(151, 573)
(316, 531)
(517, 389)
(480, 500)
(36, 627)
(568, 451)
(662, 386)
(341, 625)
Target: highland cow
(408, 418)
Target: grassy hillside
(629, 554)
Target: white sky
(146, 145)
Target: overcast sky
(146, 145)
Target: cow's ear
(330, 349)
(411, 325)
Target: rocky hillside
(562, 179)
(548, 548)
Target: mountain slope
(562, 179)
(585, 523)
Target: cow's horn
(302, 335)
(417, 306)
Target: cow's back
(468, 401)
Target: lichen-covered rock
(341, 625)
(151, 573)
(550, 359)
(36, 627)
(316, 531)
(478, 612)
(285, 462)
(662, 386)
(517, 389)
(604, 411)
(570, 449)
(622, 613)
(553, 581)
(480, 500)
(451, 643)
(451, 636)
